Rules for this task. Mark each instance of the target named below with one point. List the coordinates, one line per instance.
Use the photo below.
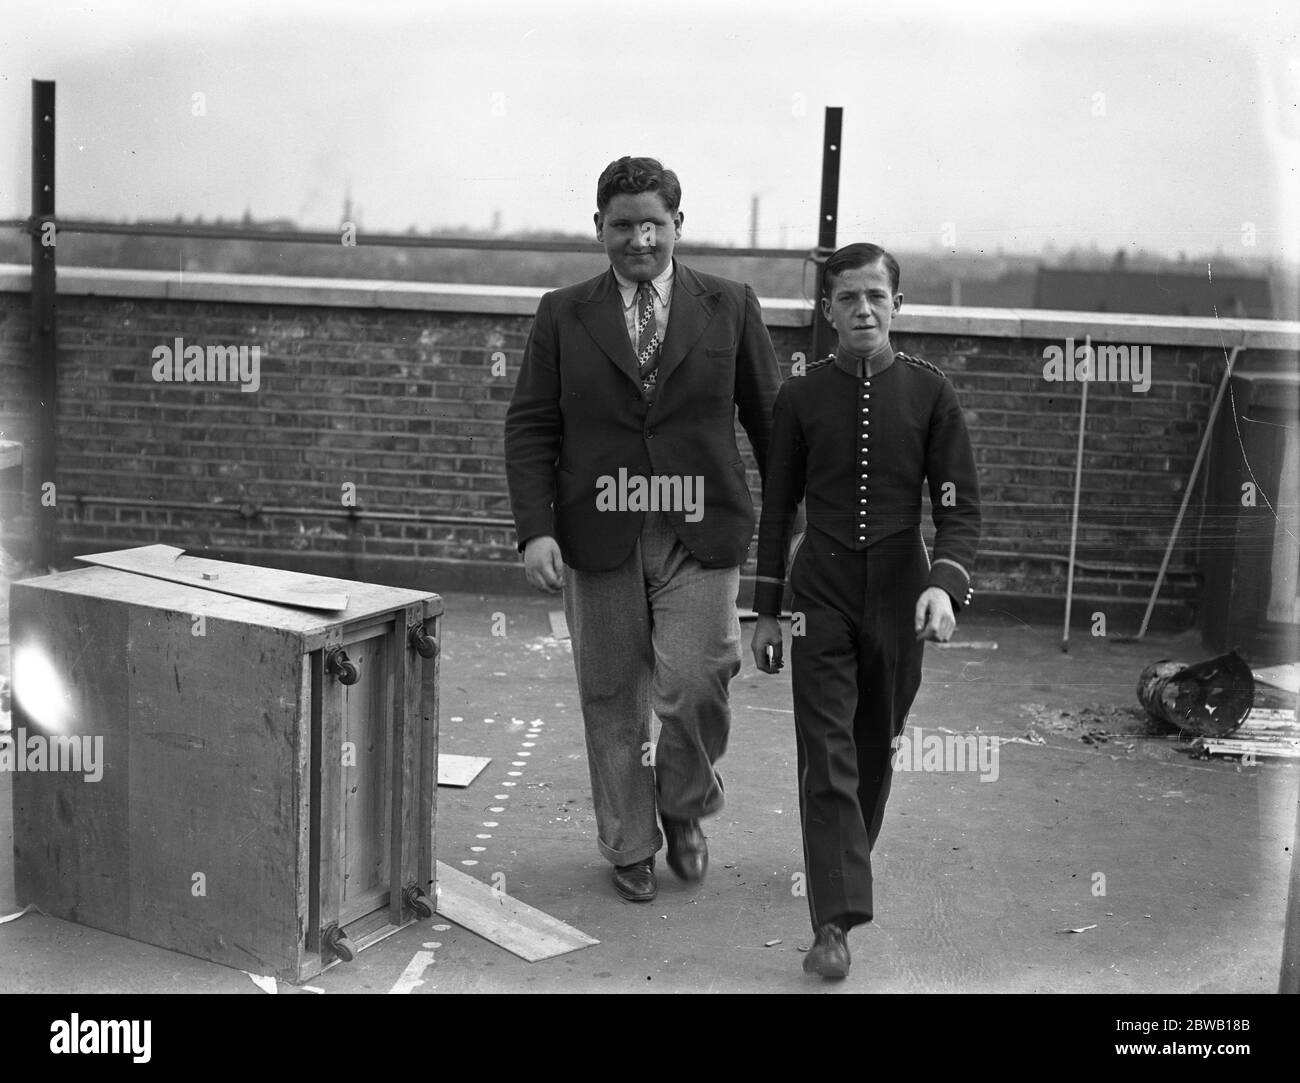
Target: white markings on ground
(534, 730)
(413, 975)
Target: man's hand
(543, 564)
(934, 617)
(767, 634)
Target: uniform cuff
(952, 579)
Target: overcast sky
(1165, 126)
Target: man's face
(861, 307)
(638, 234)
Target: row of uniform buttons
(862, 488)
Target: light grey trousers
(659, 632)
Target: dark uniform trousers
(856, 671)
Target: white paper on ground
(29, 908)
(459, 770)
(264, 982)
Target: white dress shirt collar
(662, 285)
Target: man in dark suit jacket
(629, 493)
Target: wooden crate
(253, 809)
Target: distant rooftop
(1161, 293)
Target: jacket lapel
(601, 313)
(692, 309)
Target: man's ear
(826, 310)
(678, 219)
(898, 301)
(599, 219)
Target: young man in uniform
(629, 493)
(855, 438)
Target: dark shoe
(636, 882)
(688, 853)
(829, 955)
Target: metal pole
(1078, 481)
(380, 240)
(1187, 492)
(45, 515)
(823, 335)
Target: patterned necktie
(647, 337)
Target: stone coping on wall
(1013, 323)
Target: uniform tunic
(856, 441)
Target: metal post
(41, 226)
(1074, 518)
(1187, 491)
(823, 334)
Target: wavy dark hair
(632, 176)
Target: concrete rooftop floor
(977, 881)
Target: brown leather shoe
(688, 852)
(636, 882)
(829, 955)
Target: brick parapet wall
(401, 390)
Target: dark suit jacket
(578, 414)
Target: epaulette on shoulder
(920, 362)
(813, 366)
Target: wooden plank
(272, 585)
(1270, 715)
(524, 930)
(327, 814)
(1285, 677)
(425, 710)
(365, 600)
(367, 781)
(71, 854)
(401, 768)
(302, 798)
(408, 707)
(1282, 747)
(214, 728)
(460, 770)
(559, 624)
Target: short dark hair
(632, 176)
(853, 256)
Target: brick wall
(403, 404)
